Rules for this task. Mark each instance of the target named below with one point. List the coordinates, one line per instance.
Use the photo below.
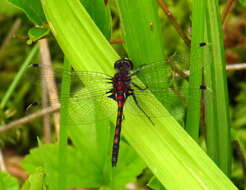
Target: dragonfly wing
(153, 76)
(87, 98)
(90, 109)
(161, 83)
(175, 100)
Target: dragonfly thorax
(123, 65)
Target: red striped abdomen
(116, 143)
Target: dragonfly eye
(123, 63)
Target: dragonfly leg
(137, 71)
(110, 91)
(109, 78)
(138, 87)
(136, 101)
(111, 94)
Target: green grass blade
(219, 81)
(20, 74)
(196, 62)
(177, 161)
(210, 113)
(62, 178)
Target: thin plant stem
(11, 32)
(2, 164)
(46, 118)
(236, 67)
(18, 77)
(174, 22)
(24, 120)
(117, 41)
(227, 10)
(50, 80)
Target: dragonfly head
(123, 64)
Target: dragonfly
(96, 96)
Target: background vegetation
(19, 48)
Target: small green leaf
(8, 182)
(36, 34)
(36, 181)
(154, 183)
(33, 10)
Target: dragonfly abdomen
(117, 131)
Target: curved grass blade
(219, 113)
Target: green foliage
(243, 2)
(154, 183)
(66, 83)
(142, 34)
(8, 182)
(32, 10)
(176, 161)
(35, 181)
(84, 167)
(7, 8)
(196, 65)
(36, 34)
(173, 142)
(217, 112)
(100, 14)
(18, 77)
(240, 111)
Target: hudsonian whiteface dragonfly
(96, 96)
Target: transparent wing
(156, 76)
(175, 100)
(88, 101)
(161, 82)
(88, 95)
(90, 109)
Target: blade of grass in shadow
(219, 81)
(172, 155)
(144, 44)
(196, 63)
(100, 14)
(20, 73)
